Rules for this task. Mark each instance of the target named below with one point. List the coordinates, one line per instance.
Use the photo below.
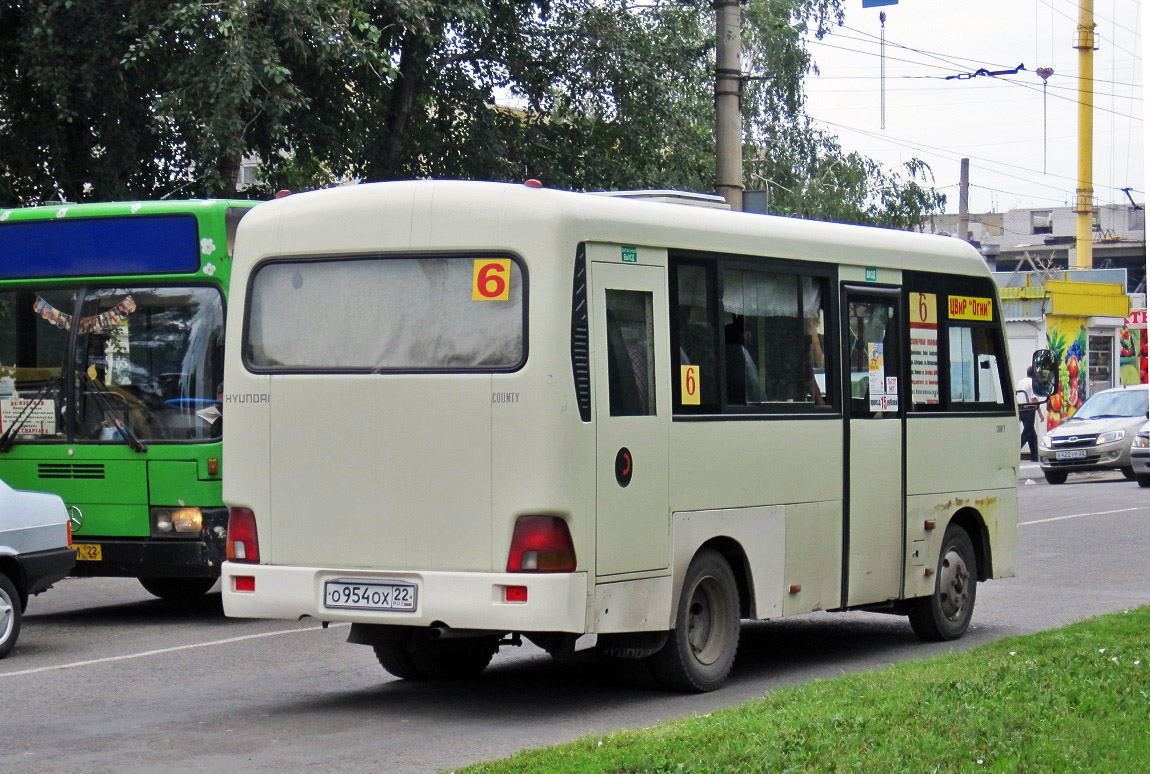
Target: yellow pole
(1084, 204)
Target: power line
(1097, 15)
(1099, 35)
(950, 155)
(1016, 193)
(1036, 88)
(1033, 87)
(896, 59)
(948, 58)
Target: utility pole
(963, 199)
(729, 102)
(1084, 204)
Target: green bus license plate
(369, 595)
(88, 552)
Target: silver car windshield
(1110, 404)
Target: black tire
(1128, 473)
(394, 656)
(177, 589)
(945, 614)
(452, 659)
(1144, 480)
(1055, 476)
(11, 613)
(700, 650)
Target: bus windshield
(146, 358)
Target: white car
(1140, 455)
(34, 553)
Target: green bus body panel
(117, 504)
(111, 521)
(79, 480)
(178, 483)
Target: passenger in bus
(743, 383)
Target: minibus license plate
(88, 552)
(1071, 454)
(369, 595)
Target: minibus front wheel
(945, 614)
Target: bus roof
(427, 211)
(65, 242)
(113, 209)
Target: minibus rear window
(417, 313)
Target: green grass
(1071, 699)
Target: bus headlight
(173, 522)
(1110, 437)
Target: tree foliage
(145, 98)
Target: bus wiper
(9, 437)
(97, 391)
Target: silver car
(35, 552)
(1098, 436)
(1140, 456)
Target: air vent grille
(82, 470)
(580, 345)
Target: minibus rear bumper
(555, 602)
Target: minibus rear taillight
(243, 545)
(541, 544)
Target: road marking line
(1079, 515)
(159, 651)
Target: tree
(163, 98)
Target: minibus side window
(630, 353)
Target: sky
(997, 122)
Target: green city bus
(111, 371)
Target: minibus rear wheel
(394, 656)
(452, 659)
(945, 614)
(701, 648)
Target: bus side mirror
(1045, 380)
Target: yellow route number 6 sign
(492, 279)
(689, 384)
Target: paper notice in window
(39, 420)
(875, 367)
(924, 349)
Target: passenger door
(875, 406)
(632, 409)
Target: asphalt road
(106, 678)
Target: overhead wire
(1032, 87)
(948, 58)
(955, 63)
(1103, 37)
(956, 156)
